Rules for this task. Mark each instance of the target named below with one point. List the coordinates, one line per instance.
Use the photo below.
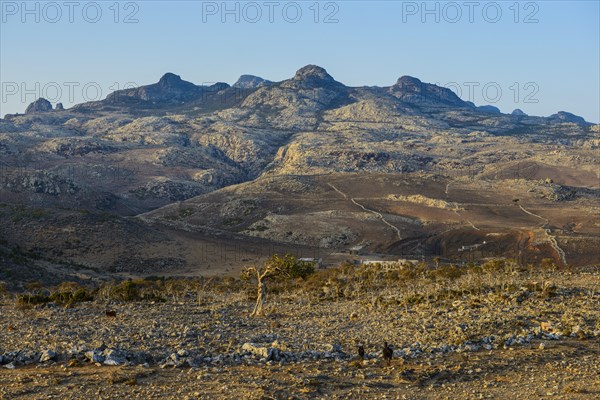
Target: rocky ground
(563, 370)
(534, 335)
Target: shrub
(548, 264)
(32, 299)
(134, 290)
(75, 295)
(126, 291)
(301, 269)
(447, 272)
(34, 286)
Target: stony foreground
(520, 342)
(563, 370)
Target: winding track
(535, 215)
(551, 239)
(379, 215)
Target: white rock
(94, 356)
(256, 349)
(183, 353)
(113, 361)
(47, 355)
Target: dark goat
(388, 353)
(361, 351)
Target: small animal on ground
(388, 353)
(361, 352)
(111, 313)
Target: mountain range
(155, 151)
(172, 91)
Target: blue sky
(541, 56)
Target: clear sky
(540, 56)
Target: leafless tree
(276, 266)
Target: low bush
(69, 297)
(32, 299)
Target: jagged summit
(311, 77)
(173, 83)
(40, 105)
(412, 90)
(407, 81)
(313, 72)
(250, 82)
(170, 89)
(564, 116)
(170, 80)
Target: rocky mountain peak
(169, 89)
(313, 77)
(313, 73)
(489, 109)
(563, 116)
(40, 105)
(411, 90)
(172, 81)
(407, 81)
(250, 82)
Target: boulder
(114, 357)
(47, 355)
(267, 353)
(95, 356)
(256, 349)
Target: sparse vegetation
(65, 294)
(429, 312)
(287, 276)
(277, 267)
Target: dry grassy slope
(326, 211)
(95, 239)
(57, 244)
(314, 216)
(539, 169)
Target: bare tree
(276, 266)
